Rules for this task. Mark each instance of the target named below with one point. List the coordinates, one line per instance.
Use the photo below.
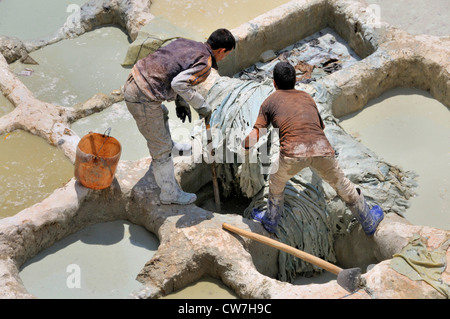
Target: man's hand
(183, 109)
(204, 111)
(251, 139)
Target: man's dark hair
(222, 38)
(284, 76)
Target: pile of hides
(313, 58)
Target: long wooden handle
(213, 166)
(286, 248)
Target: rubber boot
(171, 192)
(369, 218)
(270, 218)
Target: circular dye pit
(409, 128)
(100, 261)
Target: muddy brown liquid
(30, 170)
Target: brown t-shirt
(300, 126)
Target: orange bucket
(96, 160)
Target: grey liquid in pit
(5, 105)
(31, 19)
(72, 71)
(410, 129)
(100, 261)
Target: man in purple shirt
(171, 73)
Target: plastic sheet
(418, 263)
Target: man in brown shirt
(303, 144)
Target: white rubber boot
(171, 192)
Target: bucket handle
(109, 132)
(104, 134)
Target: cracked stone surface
(192, 241)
